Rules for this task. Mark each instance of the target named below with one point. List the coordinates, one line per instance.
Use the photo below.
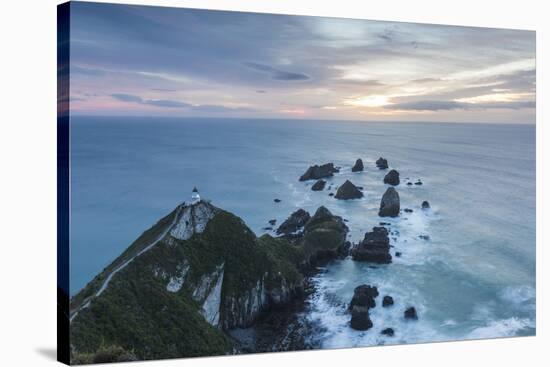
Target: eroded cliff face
(175, 294)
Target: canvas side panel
(63, 189)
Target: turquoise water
(474, 278)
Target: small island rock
(392, 178)
(375, 247)
(388, 332)
(316, 172)
(410, 314)
(348, 191)
(362, 301)
(425, 205)
(387, 301)
(358, 166)
(382, 163)
(319, 185)
(389, 205)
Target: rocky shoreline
(250, 291)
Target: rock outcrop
(319, 185)
(294, 223)
(387, 301)
(392, 178)
(410, 314)
(389, 205)
(388, 332)
(363, 300)
(358, 166)
(382, 163)
(324, 237)
(375, 247)
(425, 205)
(348, 191)
(316, 172)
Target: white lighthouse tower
(195, 197)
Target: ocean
(474, 277)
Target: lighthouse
(195, 197)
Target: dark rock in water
(387, 301)
(409, 183)
(267, 228)
(425, 205)
(316, 172)
(410, 314)
(277, 200)
(407, 210)
(296, 221)
(418, 182)
(424, 237)
(319, 185)
(358, 166)
(382, 163)
(325, 237)
(389, 205)
(388, 332)
(392, 178)
(362, 301)
(384, 224)
(397, 254)
(375, 247)
(272, 221)
(331, 194)
(364, 295)
(360, 319)
(348, 191)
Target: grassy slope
(141, 242)
(137, 313)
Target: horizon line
(303, 119)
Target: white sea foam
(501, 328)
(518, 295)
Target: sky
(155, 61)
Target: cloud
(127, 97)
(166, 103)
(276, 74)
(152, 102)
(163, 90)
(454, 105)
(426, 80)
(218, 109)
(216, 56)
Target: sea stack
(358, 166)
(382, 163)
(362, 301)
(316, 172)
(348, 191)
(392, 178)
(389, 205)
(410, 314)
(319, 185)
(375, 247)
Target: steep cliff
(199, 271)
